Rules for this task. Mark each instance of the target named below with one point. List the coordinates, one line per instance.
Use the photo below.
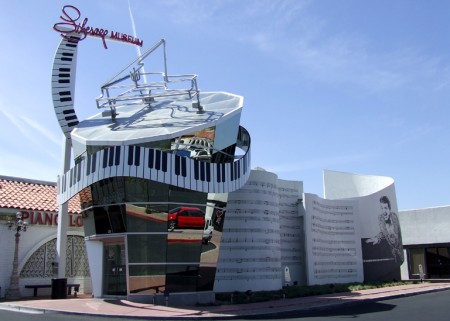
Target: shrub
(297, 291)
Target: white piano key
(227, 180)
(186, 179)
(145, 169)
(212, 178)
(80, 175)
(174, 177)
(121, 166)
(88, 170)
(112, 162)
(191, 183)
(169, 164)
(140, 168)
(126, 166)
(98, 166)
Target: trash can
(59, 288)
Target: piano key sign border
(131, 161)
(70, 17)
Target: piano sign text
(70, 24)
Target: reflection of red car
(186, 217)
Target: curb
(277, 312)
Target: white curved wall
(291, 232)
(261, 236)
(381, 239)
(338, 185)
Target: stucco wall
(425, 226)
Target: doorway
(114, 268)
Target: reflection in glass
(206, 277)
(184, 247)
(146, 218)
(116, 215)
(181, 278)
(186, 218)
(102, 225)
(89, 222)
(147, 248)
(85, 197)
(147, 279)
(173, 238)
(108, 191)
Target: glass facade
(432, 261)
(166, 239)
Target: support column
(63, 217)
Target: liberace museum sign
(71, 22)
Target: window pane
(181, 278)
(147, 248)
(416, 258)
(147, 279)
(146, 218)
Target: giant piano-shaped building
(153, 169)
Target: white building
(36, 202)
(426, 240)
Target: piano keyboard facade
(155, 165)
(63, 84)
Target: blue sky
(350, 85)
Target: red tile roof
(27, 194)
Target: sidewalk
(267, 309)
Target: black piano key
(88, 164)
(137, 156)
(164, 162)
(151, 153)
(94, 163)
(202, 171)
(157, 159)
(68, 111)
(196, 170)
(111, 156)
(218, 170)
(117, 160)
(73, 124)
(70, 117)
(223, 178)
(64, 75)
(105, 157)
(183, 167)
(64, 99)
(130, 155)
(239, 169)
(208, 172)
(177, 165)
(232, 172)
(79, 172)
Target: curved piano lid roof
(166, 119)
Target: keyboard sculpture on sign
(153, 126)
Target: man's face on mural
(385, 211)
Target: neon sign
(70, 24)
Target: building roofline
(27, 180)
